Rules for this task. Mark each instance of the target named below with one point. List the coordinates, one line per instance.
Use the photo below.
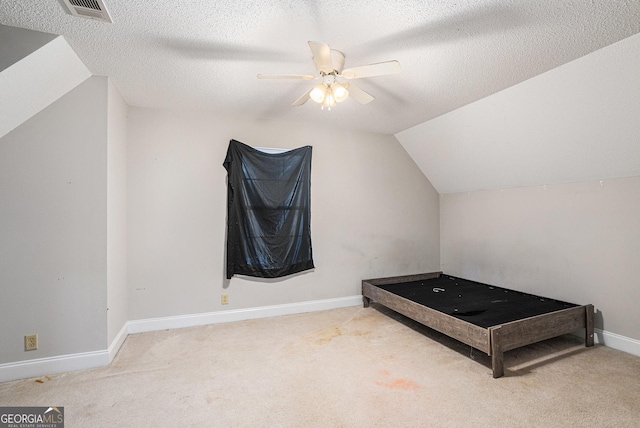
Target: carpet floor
(351, 367)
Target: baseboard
(181, 321)
(616, 341)
(53, 365)
(613, 340)
(89, 360)
(117, 342)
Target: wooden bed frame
(495, 340)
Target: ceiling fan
(336, 86)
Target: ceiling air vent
(92, 9)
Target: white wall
(573, 242)
(116, 213)
(373, 213)
(53, 227)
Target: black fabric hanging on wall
(268, 211)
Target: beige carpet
(349, 367)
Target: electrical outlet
(225, 299)
(31, 342)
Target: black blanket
(268, 211)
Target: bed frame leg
(589, 326)
(366, 301)
(497, 356)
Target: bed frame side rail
(463, 331)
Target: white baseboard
(616, 341)
(117, 342)
(181, 321)
(612, 340)
(89, 360)
(53, 365)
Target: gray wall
(575, 242)
(53, 208)
(117, 314)
(373, 213)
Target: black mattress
(480, 304)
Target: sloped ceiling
(204, 55)
(17, 43)
(578, 122)
(36, 69)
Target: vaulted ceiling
(205, 55)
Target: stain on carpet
(327, 335)
(43, 380)
(396, 383)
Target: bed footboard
(506, 337)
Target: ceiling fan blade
(378, 69)
(303, 99)
(337, 60)
(286, 76)
(359, 95)
(321, 56)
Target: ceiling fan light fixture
(329, 100)
(317, 94)
(330, 67)
(339, 92)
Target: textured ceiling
(205, 55)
